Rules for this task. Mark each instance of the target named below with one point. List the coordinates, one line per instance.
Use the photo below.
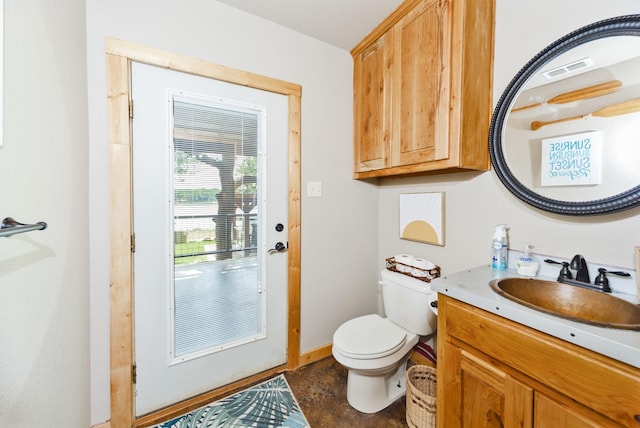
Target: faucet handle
(565, 273)
(602, 280)
(615, 272)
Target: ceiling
(331, 21)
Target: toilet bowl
(375, 349)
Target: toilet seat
(369, 337)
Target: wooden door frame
(119, 55)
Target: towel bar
(11, 227)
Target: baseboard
(106, 424)
(316, 354)
(325, 351)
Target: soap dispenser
(499, 248)
(525, 264)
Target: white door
(210, 293)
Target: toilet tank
(406, 302)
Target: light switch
(314, 189)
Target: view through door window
(217, 299)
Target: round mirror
(565, 135)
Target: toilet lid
(369, 337)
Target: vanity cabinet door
(551, 413)
(475, 392)
(482, 393)
(490, 397)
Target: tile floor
(321, 391)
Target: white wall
(475, 202)
(44, 275)
(339, 239)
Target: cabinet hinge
(130, 109)
(133, 242)
(134, 373)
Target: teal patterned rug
(270, 404)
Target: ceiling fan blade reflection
(618, 109)
(588, 92)
(579, 94)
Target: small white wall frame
(422, 217)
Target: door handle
(279, 248)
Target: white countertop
(472, 287)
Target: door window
(217, 300)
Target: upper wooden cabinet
(422, 90)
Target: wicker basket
(421, 396)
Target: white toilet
(376, 349)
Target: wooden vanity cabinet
(422, 90)
(493, 372)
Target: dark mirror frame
(628, 25)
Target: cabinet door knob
(637, 418)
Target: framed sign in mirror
(563, 136)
